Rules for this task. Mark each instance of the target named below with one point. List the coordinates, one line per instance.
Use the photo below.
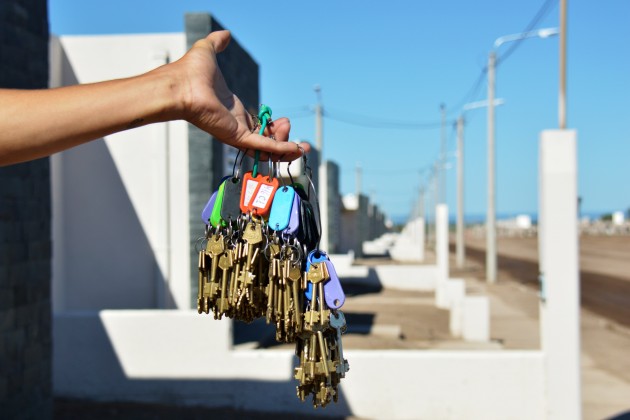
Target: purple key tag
(315, 256)
(207, 211)
(333, 292)
(294, 220)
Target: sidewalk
(605, 344)
(392, 319)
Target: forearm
(37, 123)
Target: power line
(540, 15)
(471, 94)
(377, 122)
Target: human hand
(210, 105)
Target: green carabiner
(264, 115)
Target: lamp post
(318, 123)
(491, 251)
(460, 249)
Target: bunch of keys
(319, 347)
(261, 259)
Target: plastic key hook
(293, 227)
(333, 292)
(281, 208)
(207, 211)
(315, 256)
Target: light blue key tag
(281, 208)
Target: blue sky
(398, 62)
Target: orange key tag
(261, 205)
(248, 191)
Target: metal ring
(200, 241)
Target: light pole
(491, 241)
(318, 123)
(460, 249)
(442, 173)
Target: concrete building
(126, 209)
(354, 224)
(330, 204)
(25, 316)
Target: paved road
(604, 269)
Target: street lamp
(491, 251)
(318, 123)
(460, 251)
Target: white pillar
(559, 271)
(323, 206)
(441, 255)
(491, 240)
(460, 253)
(419, 228)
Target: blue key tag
(315, 256)
(333, 292)
(294, 221)
(207, 211)
(281, 208)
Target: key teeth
(245, 278)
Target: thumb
(219, 40)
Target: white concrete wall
(442, 299)
(120, 205)
(182, 357)
(409, 245)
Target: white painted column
(323, 206)
(559, 270)
(419, 237)
(441, 255)
(58, 283)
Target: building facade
(25, 243)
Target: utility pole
(562, 104)
(421, 209)
(322, 174)
(436, 195)
(460, 251)
(358, 179)
(319, 124)
(491, 240)
(442, 168)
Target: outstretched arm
(37, 123)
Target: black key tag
(231, 209)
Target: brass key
(226, 262)
(202, 275)
(338, 323)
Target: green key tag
(281, 208)
(215, 217)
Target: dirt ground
(604, 269)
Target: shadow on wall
(87, 367)
(107, 260)
(102, 257)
